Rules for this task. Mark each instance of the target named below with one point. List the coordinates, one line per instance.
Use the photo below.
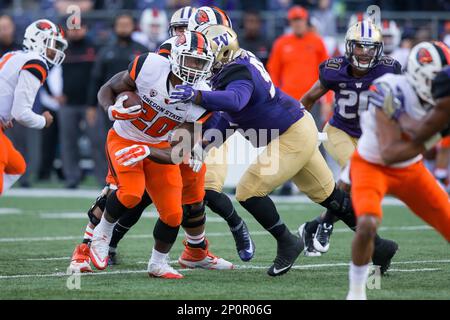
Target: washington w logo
(222, 39)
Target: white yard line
(209, 234)
(9, 211)
(92, 194)
(238, 267)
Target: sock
(88, 234)
(196, 241)
(158, 257)
(118, 233)
(358, 278)
(339, 204)
(265, 212)
(104, 227)
(220, 203)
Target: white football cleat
(163, 270)
(80, 262)
(354, 296)
(202, 258)
(99, 252)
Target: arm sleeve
(24, 96)
(233, 99)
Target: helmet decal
(424, 56)
(201, 17)
(43, 25)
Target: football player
(245, 94)
(349, 77)
(22, 73)
(153, 28)
(171, 187)
(408, 180)
(425, 133)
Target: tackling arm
(393, 147)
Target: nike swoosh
(276, 271)
(251, 248)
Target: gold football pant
(216, 168)
(340, 145)
(292, 156)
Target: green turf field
(37, 237)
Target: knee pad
(129, 199)
(172, 220)
(193, 217)
(165, 232)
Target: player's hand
(197, 158)
(129, 156)
(118, 112)
(48, 118)
(183, 93)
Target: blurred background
(70, 154)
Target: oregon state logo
(43, 25)
(201, 17)
(424, 56)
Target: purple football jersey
(268, 107)
(351, 93)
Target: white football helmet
(154, 24)
(425, 60)
(204, 17)
(391, 36)
(191, 57)
(47, 39)
(180, 18)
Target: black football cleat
(244, 243)
(307, 238)
(113, 260)
(287, 253)
(322, 236)
(383, 253)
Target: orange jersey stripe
(37, 67)
(204, 118)
(164, 51)
(133, 69)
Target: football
(133, 99)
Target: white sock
(88, 233)
(104, 227)
(195, 239)
(8, 181)
(158, 257)
(358, 278)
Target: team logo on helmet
(181, 39)
(424, 56)
(201, 17)
(44, 25)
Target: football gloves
(129, 156)
(183, 93)
(118, 112)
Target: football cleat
(113, 260)
(202, 258)
(244, 243)
(287, 253)
(99, 252)
(307, 238)
(163, 270)
(321, 240)
(383, 253)
(80, 262)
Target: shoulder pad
(328, 68)
(38, 68)
(164, 49)
(392, 63)
(136, 65)
(230, 73)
